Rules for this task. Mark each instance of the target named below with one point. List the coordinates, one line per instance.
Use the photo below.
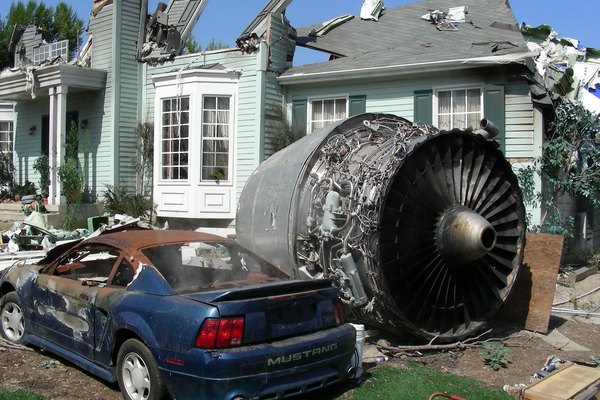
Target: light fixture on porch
(83, 124)
(32, 130)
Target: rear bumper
(277, 370)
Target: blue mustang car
(179, 313)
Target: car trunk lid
(277, 310)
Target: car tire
(138, 374)
(12, 322)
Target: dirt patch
(54, 378)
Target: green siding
(128, 78)
(398, 97)
(101, 29)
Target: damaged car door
(66, 293)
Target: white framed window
(216, 138)
(458, 108)
(174, 140)
(51, 50)
(322, 112)
(6, 143)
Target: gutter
(404, 69)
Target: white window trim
(310, 100)
(197, 84)
(444, 88)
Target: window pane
(444, 122)
(444, 101)
(223, 103)
(458, 101)
(473, 100)
(210, 103)
(473, 121)
(328, 111)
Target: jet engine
(421, 230)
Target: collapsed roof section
(567, 69)
(168, 28)
(402, 39)
(249, 40)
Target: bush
(118, 201)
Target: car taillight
(338, 309)
(220, 333)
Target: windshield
(210, 265)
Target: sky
(573, 19)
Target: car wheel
(138, 373)
(11, 318)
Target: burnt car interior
(93, 266)
(204, 265)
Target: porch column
(58, 122)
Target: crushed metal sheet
(331, 24)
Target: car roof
(137, 239)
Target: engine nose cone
(463, 235)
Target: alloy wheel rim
(12, 322)
(136, 377)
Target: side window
(90, 264)
(459, 108)
(326, 111)
(124, 274)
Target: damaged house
(215, 116)
(210, 110)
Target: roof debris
(371, 10)
(330, 24)
(447, 21)
(566, 68)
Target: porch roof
(15, 86)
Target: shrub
(119, 201)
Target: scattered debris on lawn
(29, 240)
(559, 379)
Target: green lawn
(417, 383)
(382, 382)
(18, 395)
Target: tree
(60, 23)
(570, 165)
(192, 45)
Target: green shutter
(358, 105)
(423, 107)
(299, 115)
(494, 111)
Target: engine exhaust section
(421, 230)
